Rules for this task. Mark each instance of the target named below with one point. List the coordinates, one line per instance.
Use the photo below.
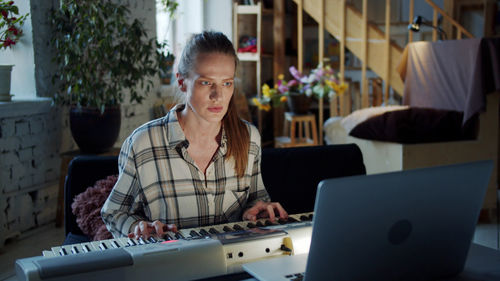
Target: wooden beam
(387, 50)
(321, 55)
(410, 13)
(278, 38)
(434, 23)
(300, 36)
(364, 56)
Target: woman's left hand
(265, 210)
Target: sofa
(291, 176)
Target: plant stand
(5, 74)
(307, 132)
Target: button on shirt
(158, 180)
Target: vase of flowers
(10, 33)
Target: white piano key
(48, 254)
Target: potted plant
(100, 54)
(10, 33)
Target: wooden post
(387, 50)
(410, 34)
(278, 58)
(321, 54)
(435, 24)
(259, 63)
(364, 56)
(300, 37)
(333, 102)
(278, 38)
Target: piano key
(115, 244)
(259, 224)
(48, 254)
(87, 247)
(178, 235)
(227, 229)
(311, 216)
(63, 252)
(213, 230)
(291, 220)
(131, 242)
(304, 218)
(269, 223)
(251, 225)
(204, 232)
(103, 246)
(152, 239)
(142, 241)
(193, 233)
(237, 227)
(74, 250)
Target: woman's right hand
(147, 229)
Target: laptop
(407, 225)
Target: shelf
(252, 56)
(248, 56)
(248, 9)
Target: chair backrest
(83, 172)
(291, 175)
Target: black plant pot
(299, 103)
(92, 131)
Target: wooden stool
(306, 128)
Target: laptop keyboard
(295, 277)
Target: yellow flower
(256, 102)
(266, 91)
(283, 98)
(281, 77)
(266, 107)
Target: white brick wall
(34, 134)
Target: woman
(200, 164)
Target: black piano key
(63, 252)
(291, 220)
(269, 223)
(204, 232)
(304, 218)
(227, 229)
(86, 248)
(103, 246)
(115, 244)
(142, 241)
(311, 216)
(259, 224)
(251, 225)
(282, 221)
(131, 242)
(179, 235)
(213, 230)
(74, 250)
(237, 227)
(152, 239)
(194, 233)
(167, 237)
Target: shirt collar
(175, 135)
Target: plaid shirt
(158, 180)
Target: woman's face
(210, 86)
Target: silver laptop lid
(407, 225)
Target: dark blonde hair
(238, 138)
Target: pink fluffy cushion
(87, 208)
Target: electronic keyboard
(189, 254)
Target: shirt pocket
(234, 203)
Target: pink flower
(295, 73)
(5, 14)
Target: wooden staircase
(365, 40)
(354, 37)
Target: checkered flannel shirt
(158, 180)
